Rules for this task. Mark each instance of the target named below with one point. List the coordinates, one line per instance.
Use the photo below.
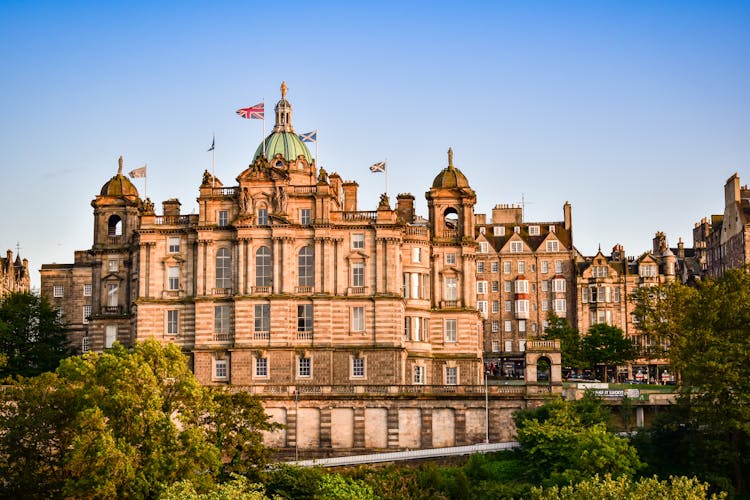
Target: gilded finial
(450, 157)
(283, 90)
(119, 167)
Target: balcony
(261, 290)
(304, 335)
(357, 290)
(261, 335)
(222, 337)
(450, 304)
(224, 191)
(542, 345)
(303, 290)
(115, 240)
(358, 216)
(221, 291)
(176, 220)
(112, 310)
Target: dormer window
(498, 230)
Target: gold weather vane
(283, 90)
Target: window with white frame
(481, 287)
(480, 266)
(419, 375)
(647, 270)
(508, 286)
(358, 241)
(358, 319)
(358, 274)
(304, 367)
(451, 375)
(484, 247)
(223, 269)
(222, 218)
(85, 345)
(220, 369)
(263, 216)
(545, 267)
(263, 267)
(553, 246)
(451, 334)
(508, 306)
(261, 367)
(221, 320)
(450, 258)
(508, 326)
(495, 306)
(495, 346)
(262, 320)
(599, 271)
(113, 294)
(517, 229)
(498, 230)
(304, 216)
(86, 314)
(306, 266)
(112, 265)
(516, 246)
(110, 335)
(495, 286)
(305, 318)
(545, 305)
(521, 325)
(495, 326)
(558, 285)
(558, 266)
(533, 230)
(87, 290)
(522, 286)
(521, 267)
(584, 294)
(58, 291)
(545, 285)
(407, 327)
(173, 278)
(358, 367)
(559, 306)
(173, 244)
(173, 322)
(451, 288)
(616, 295)
(494, 267)
(522, 345)
(522, 306)
(416, 254)
(482, 307)
(506, 267)
(482, 230)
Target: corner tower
(451, 202)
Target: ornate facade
(14, 274)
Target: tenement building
(14, 274)
(362, 321)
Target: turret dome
(283, 139)
(450, 176)
(119, 185)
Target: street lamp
(486, 409)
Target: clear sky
(634, 111)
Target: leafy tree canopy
(570, 341)
(606, 345)
(122, 424)
(32, 336)
(624, 488)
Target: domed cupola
(119, 185)
(283, 139)
(450, 176)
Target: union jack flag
(253, 112)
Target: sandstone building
(363, 321)
(14, 274)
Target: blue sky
(635, 112)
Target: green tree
(708, 329)
(607, 345)
(118, 424)
(570, 341)
(624, 488)
(562, 449)
(32, 336)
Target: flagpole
(316, 149)
(145, 182)
(385, 164)
(213, 161)
(263, 138)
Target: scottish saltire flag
(378, 167)
(138, 172)
(253, 112)
(309, 137)
(213, 143)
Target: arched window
(543, 367)
(450, 217)
(223, 269)
(263, 267)
(114, 226)
(306, 267)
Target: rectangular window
(262, 216)
(616, 295)
(221, 320)
(305, 318)
(545, 285)
(553, 246)
(516, 246)
(522, 306)
(495, 306)
(522, 286)
(262, 318)
(220, 368)
(495, 326)
(358, 240)
(173, 245)
(508, 306)
(551, 228)
(495, 346)
(112, 265)
(416, 254)
(222, 218)
(450, 330)
(419, 375)
(522, 345)
(451, 289)
(521, 326)
(545, 267)
(545, 305)
(85, 345)
(58, 290)
(481, 287)
(558, 266)
(358, 367)
(559, 306)
(425, 329)
(495, 286)
(508, 326)
(358, 274)
(508, 346)
(558, 285)
(498, 230)
(173, 273)
(506, 267)
(110, 335)
(87, 290)
(86, 314)
(451, 375)
(173, 317)
(521, 267)
(416, 329)
(484, 247)
(533, 230)
(261, 367)
(482, 307)
(304, 216)
(407, 327)
(494, 267)
(508, 286)
(585, 294)
(113, 294)
(450, 258)
(358, 319)
(304, 367)
(480, 266)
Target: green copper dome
(283, 139)
(288, 144)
